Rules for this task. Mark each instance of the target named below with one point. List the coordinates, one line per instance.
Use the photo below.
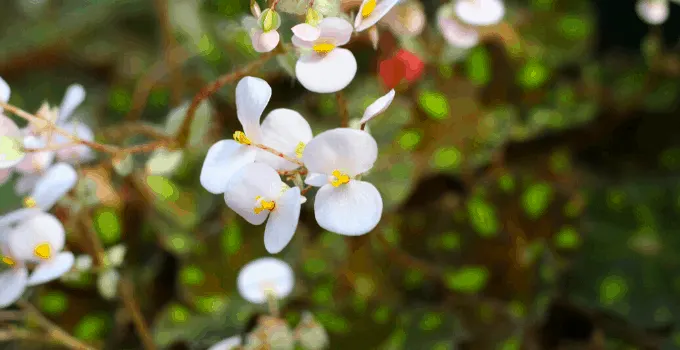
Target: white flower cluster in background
(246, 170)
(459, 21)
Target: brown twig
(277, 153)
(53, 330)
(169, 44)
(342, 109)
(210, 89)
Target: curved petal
(283, 221)
(52, 269)
(302, 44)
(78, 153)
(42, 228)
(227, 344)
(252, 96)
(377, 107)
(253, 181)
(13, 282)
(16, 216)
(53, 185)
(306, 32)
(264, 41)
(224, 158)
(456, 34)
(336, 30)
(326, 74)
(11, 152)
(381, 9)
(316, 179)
(260, 275)
(283, 130)
(5, 92)
(480, 12)
(353, 209)
(35, 161)
(74, 96)
(348, 150)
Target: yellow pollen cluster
(264, 205)
(340, 178)
(9, 261)
(368, 8)
(300, 149)
(43, 251)
(241, 138)
(323, 48)
(29, 202)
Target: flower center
(9, 261)
(339, 178)
(241, 138)
(263, 205)
(43, 251)
(368, 8)
(29, 202)
(300, 149)
(323, 48)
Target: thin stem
(342, 109)
(52, 329)
(276, 2)
(169, 44)
(277, 153)
(210, 89)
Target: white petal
(41, 228)
(26, 183)
(377, 107)
(326, 74)
(252, 96)
(75, 95)
(480, 12)
(5, 92)
(227, 344)
(456, 34)
(653, 12)
(224, 158)
(353, 209)
(79, 153)
(253, 180)
(13, 282)
(53, 185)
(16, 216)
(336, 30)
(11, 152)
(283, 130)
(265, 274)
(35, 161)
(316, 179)
(302, 44)
(283, 221)
(51, 269)
(264, 41)
(349, 150)
(306, 32)
(381, 9)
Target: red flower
(404, 65)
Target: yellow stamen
(323, 48)
(368, 8)
(264, 205)
(9, 261)
(300, 149)
(241, 138)
(340, 178)
(43, 251)
(29, 202)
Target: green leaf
(482, 217)
(536, 199)
(612, 289)
(478, 66)
(53, 303)
(435, 104)
(91, 327)
(532, 75)
(107, 224)
(469, 280)
(447, 158)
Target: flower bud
(269, 20)
(255, 9)
(313, 17)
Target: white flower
(324, 67)
(343, 204)
(653, 12)
(371, 11)
(227, 344)
(480, 12)
(38, 239)
(455, 33)
(256, 192)
(48, 188)
(263, 277)
(406, 19)
(262, 30)
(377, 107)
(283, 129)
(309, 31)
(11, 152)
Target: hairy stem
(342, 109)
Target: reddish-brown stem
(276, 2)
(277, 153)
(210, 89)
(342, 109)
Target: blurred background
(531, 183)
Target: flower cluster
(460, 20)
(247, 169)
